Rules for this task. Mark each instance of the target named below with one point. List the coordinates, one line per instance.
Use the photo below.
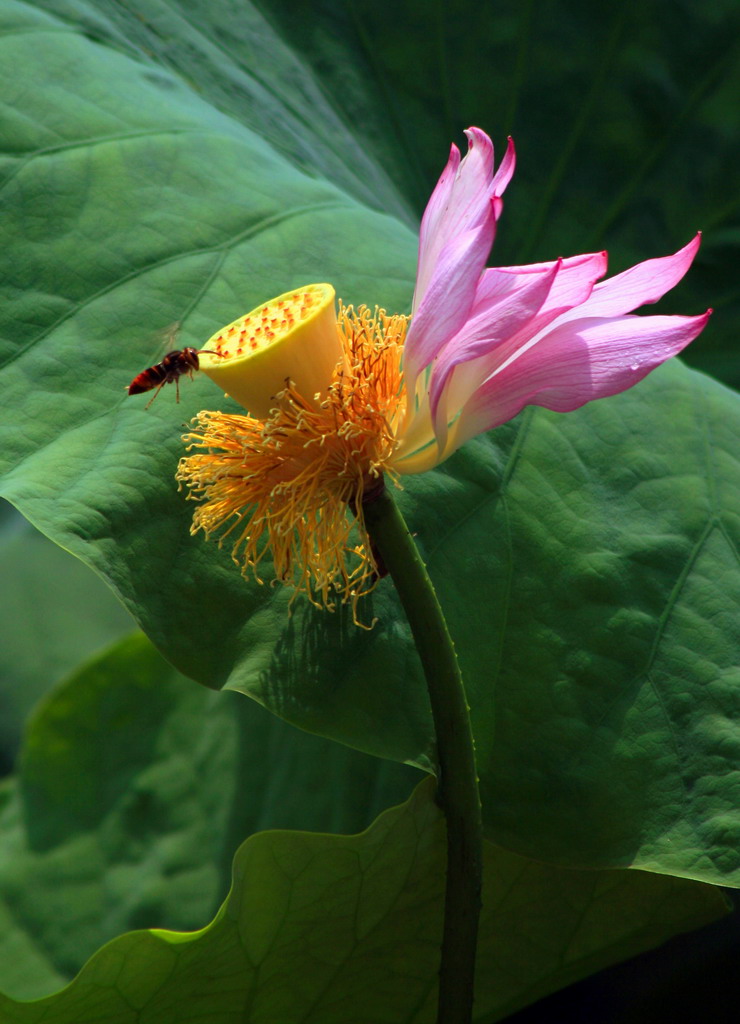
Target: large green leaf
(587, 563)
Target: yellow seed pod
(292, 337)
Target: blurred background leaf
(134, 790)
(625, 120)
(54, 613)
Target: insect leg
(155, 395)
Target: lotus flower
(336, 403)
(485, 342)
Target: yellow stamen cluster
(284, 487)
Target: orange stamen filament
(285, 486)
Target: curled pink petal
(459, 202)
(575, 280)
(504, 174)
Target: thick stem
(458, 780)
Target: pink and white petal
(575, 281)
(505, 295)
(430, 234)
(512, 305)
(448, 298)
(417, 435)
(504, 307)
(642, 284)
(418, 460)
(459, 201)
(574, 364)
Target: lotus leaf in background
(54, 612)
(134, 789)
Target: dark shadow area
(690, 980)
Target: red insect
(172, 367)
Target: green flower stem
(458, 779)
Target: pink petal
(459, 202)
(576, 363)
(503, 175)
(431, 232)
(505, 306)
(528, 299)
(448, 297)
(644, 283)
